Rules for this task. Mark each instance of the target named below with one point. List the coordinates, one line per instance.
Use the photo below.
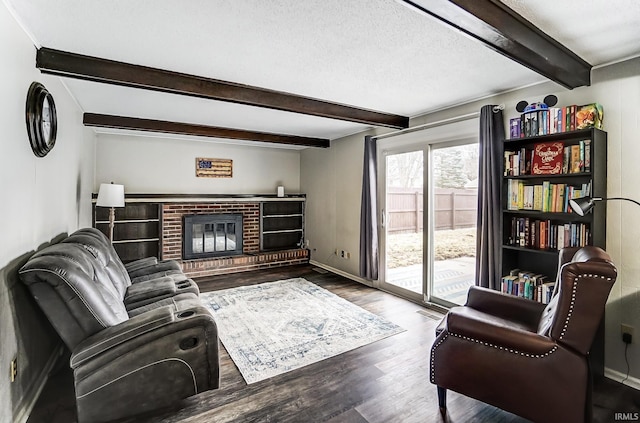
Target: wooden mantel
(205, 198)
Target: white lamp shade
(110, 195)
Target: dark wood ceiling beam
(507, 32)
(61, 63)
(150, 125)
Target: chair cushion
(66, 283)
(103, 253)
(178, 302)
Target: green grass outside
(406, 249)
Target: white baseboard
(341, 273)
(33, 393)
(631, 381)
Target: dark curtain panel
(368, 213)
(488, 240)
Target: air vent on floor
(431, 314)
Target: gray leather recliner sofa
(139, 336)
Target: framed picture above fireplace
(214, 168)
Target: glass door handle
(384, 218)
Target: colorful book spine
(587, 155)
(514, 128)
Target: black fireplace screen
(211, 235)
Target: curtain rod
(437, 123)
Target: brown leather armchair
(526, 357)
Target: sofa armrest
(155, 288)
(160, 356)
(121, 333)
(161, 266)
(508, 306)
(156, 324)
(139, 264)
(469, 326)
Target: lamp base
(112, 218)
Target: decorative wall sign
(41, 118)
(214, 168)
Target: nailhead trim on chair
(433, 354)
(524, 354)
(571, 304)
(466, 338)
(498, 347)
(573, 299)
(548, 353)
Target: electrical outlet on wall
(627, 333)
(343, 254)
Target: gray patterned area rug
(276, 327)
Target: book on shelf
(549, 158)
(586, 145)
(514, 128)
(589, 116)
(513, 190)
(576, 164)
(545, 197)
(529, 285)
(537, 197)
(528, 197)
(556, 120)
(545, 234)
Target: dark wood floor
(386, 381)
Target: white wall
(329, 174)
(616, 87)
(165, 165)
(41, 198)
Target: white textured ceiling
(599, 31)
(374, 54)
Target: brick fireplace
(250, 259)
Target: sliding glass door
(429, 200)
(453, 194)
(403, 222)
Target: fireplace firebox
(211, 235)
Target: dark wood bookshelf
(545, 261)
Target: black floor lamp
(583, 205)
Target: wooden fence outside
(454, 209)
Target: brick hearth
(252, 258)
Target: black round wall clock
(41, 119)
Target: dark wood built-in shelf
(531, 250)
(138, 226)
(137, 231)
(281, 225)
